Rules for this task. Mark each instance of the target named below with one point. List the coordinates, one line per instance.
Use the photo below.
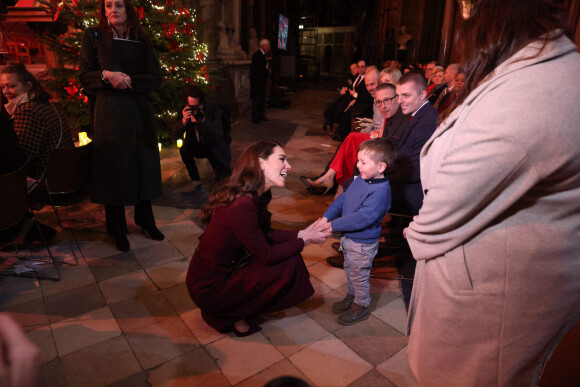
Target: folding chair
(66, 180)
(15, 221)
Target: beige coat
(498, 237)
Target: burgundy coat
(276, 279)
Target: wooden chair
(18, 50)
(15, 221)
(560, 366)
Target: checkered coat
(40, 130)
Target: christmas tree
(173, 31)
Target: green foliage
(172, 29)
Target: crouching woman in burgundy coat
(241, 267)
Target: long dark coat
(225, 292)
(126, 166)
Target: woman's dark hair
(36, 92)
(497, 29)
(134, 29)
(193, 92)
(247, 179)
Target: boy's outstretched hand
(317, 232)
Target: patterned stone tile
(179, 298)
(242, 357)
(329, 362)
(42, 338)
(372, 339)
(331, 276)
(397, 370)
(29, 315)
(157, 343)
(394, 314)
(283, 368)
(186, 244)
(372, 378)
(113, 266)
(203, 332)
(319, 309)
(101, 364)
(51, 374)
(84, 331)
(72, 277)
(195, 368)
(126, 286)
(73, 302)
(136, 313)
(292, 330)
(169, 274)
(157, 254)
(16, 290)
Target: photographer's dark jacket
(211, 131)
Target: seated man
(207, 133)
(361, 105)
(341, 102)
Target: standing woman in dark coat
(118, 68)
(242, 267)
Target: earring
(108, 21)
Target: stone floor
(125, 319)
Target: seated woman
(242, 267)
(37, 124)
(342, 164)
(435, 89)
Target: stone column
(447, 31)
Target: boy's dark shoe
(354, 315)
(344, 305)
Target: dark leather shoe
(122, 243)
(336, 247)
(336, 261)
(256, 121)
(153, 232)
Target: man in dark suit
(361, 104)
(258, 81)
(412, 97)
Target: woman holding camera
(204, 124)
(118, 69)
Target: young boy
(358, 213)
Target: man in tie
(258, 81)
(429, 71)
(361, 104)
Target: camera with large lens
(197, 113)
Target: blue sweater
(359, 211)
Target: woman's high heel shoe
(122, 242)
(323, 187)
(153, 232)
